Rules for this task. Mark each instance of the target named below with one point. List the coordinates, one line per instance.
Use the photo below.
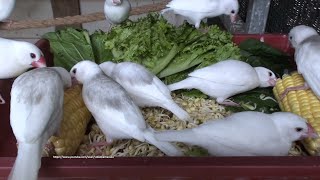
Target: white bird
(16, 57)
(246, 133)
(146, 89)
(6, 7)
(225, 79)
(113, 109)
(196, 10)
(117, 11)
(36, 113)
(306, 42)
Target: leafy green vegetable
(98, 39)
(70, 46)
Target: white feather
(117, 13)
(6, 7)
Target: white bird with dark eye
(16, 57)
(246, 133)
(225, 79)
(197, 10)
(6, 7)
(117, 11)
(306, 42)
(146, 89)
(113, 109)
(35, 114)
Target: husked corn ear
(301, 102)
(76, 117)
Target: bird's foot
(2, 101)
(228, 102)
(101, 143)
(295, 88)
(10, 22)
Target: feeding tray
(200, 168)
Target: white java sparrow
(16, 57)
(306, 42)
(146, 89)
(117, 11)
(225, 79)
(246, 133)
(113, 109)
(196, 10)
(6, 7)
(36, 113)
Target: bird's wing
(33, 106)
(203, 6)
(227, 72)
(308, 62)
(108, 98)
(132, 73)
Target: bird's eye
(74, 71)
(270, 74)
(32, 55)
(290, 37)
(233, 11)
(299, 129)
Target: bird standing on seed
(146, 89)
(117, 11)
(225, 79)
(246, 133)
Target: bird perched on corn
(36, 113)
(246, 133)
(113, 109)
(306, 42)
(16, 57)
(6, 7)
(225, 79)
(301, 102)
(197, 10)
(117, 11)
(145, 88)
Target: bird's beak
(311, 133)
(40, 63)
(233, 18)
(116, 2)
(272, 82)
(74, 81)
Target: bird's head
(300, 33)
(84, 71)
(266, 77)
(293, 127)
(231, 8)
(30, 55)
(107, 67)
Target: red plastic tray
(181, 168)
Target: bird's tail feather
(177, 110)
(27, 163)
(184, 136)
(166, 147)
(184, 84)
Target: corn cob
(76, 117)
(303, 103)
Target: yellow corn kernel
(302, 102)
(76, 117)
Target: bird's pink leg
(295, 88)
(2, 101)
(8, 21)
(102, 143)
(228, 102)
